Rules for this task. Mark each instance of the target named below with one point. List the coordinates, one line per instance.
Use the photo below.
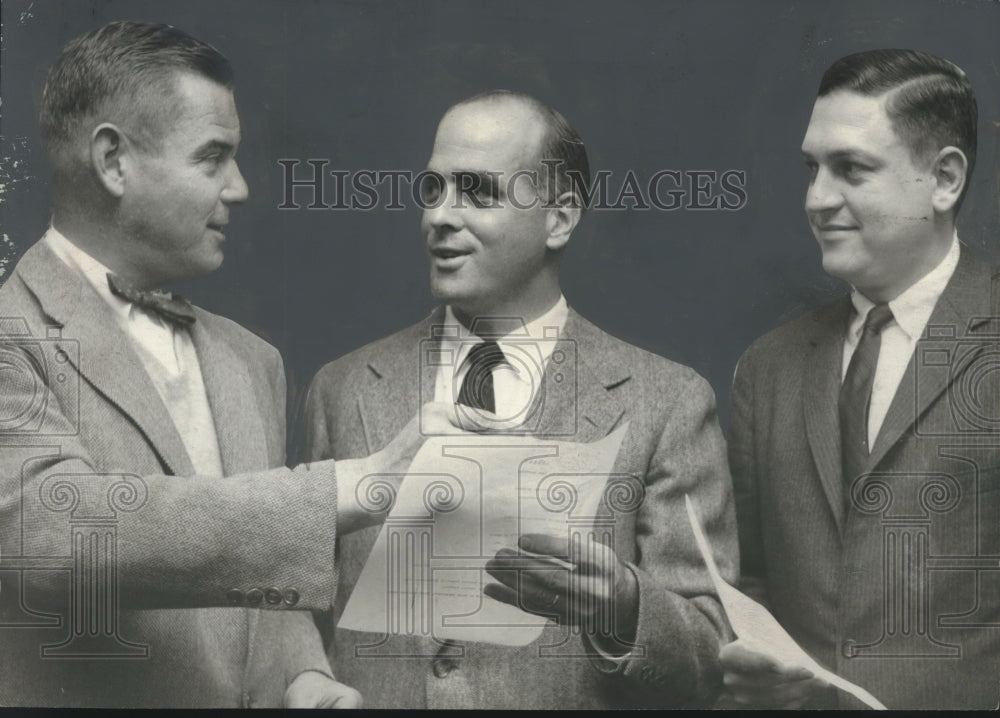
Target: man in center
(496, 224)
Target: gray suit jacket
(900, 592)
(90, 463)
(358, 403)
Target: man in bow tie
(503, 195)
(865, 438)
(142, 440)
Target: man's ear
(950, 169)
(564, 214)
(108, 158)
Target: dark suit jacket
(359, 402)
(78, 411)
(900, 592)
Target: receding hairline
(503, 96)
(558, 141)
(526, 102)
(534, 108)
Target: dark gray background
(649, 85)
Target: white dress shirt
(167, 354)
(910, 312)
(526, 349)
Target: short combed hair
(561, 144)
(123, 69)
(932, 104)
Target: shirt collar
(540, 328)
(545, 330)
(92, 270)
(912, 309)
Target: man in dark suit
(122, 410)
(645, 626)
(865, 448)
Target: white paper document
(464, 498)
(760, 631)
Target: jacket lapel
(823, 366)
(940, 356)
(237, 417)
(388, 400)
(579, 403)
(106, 358)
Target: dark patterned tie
(855, 395)
(172, 307)
(477, 387)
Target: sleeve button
(291, 596)
(254, 597)
(443, 666)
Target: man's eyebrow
(851, 154)
(216, 145)
(845, 154)
(486, 179)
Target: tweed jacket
(593, 384)
(100, 513)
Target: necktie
(477, 387)
(172, 307)
(856, 392)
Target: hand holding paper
(757, 680)
(311, 689)
(760, 633)
(576, 582)
(464, 499)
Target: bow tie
(172, 307)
